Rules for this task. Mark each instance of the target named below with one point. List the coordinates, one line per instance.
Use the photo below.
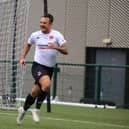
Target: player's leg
(30, 99)
(42, 75)
(45, 84)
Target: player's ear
(51, 23)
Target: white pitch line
(74, 121)
(87, 122)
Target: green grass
(66, 117)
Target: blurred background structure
(97, 32)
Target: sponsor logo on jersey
(40, 46)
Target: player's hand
(22, 61)
(52, 45)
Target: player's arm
(62, 49)
(24, 53)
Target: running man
(48, 42)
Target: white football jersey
(43, 54)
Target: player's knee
(34, 94)
(35, 91)
(46, 87)
(45, 84)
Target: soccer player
(48, 42)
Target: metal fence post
(56, 70)
(98, 83)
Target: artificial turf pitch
(68, 117)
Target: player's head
(46, 22)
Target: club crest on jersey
(51, 37)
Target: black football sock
(28, 102)
(41, 97)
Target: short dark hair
(50, 16)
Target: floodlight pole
(48, 95)
(45, 7)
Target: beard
(44, 29)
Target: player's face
(45, 25)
